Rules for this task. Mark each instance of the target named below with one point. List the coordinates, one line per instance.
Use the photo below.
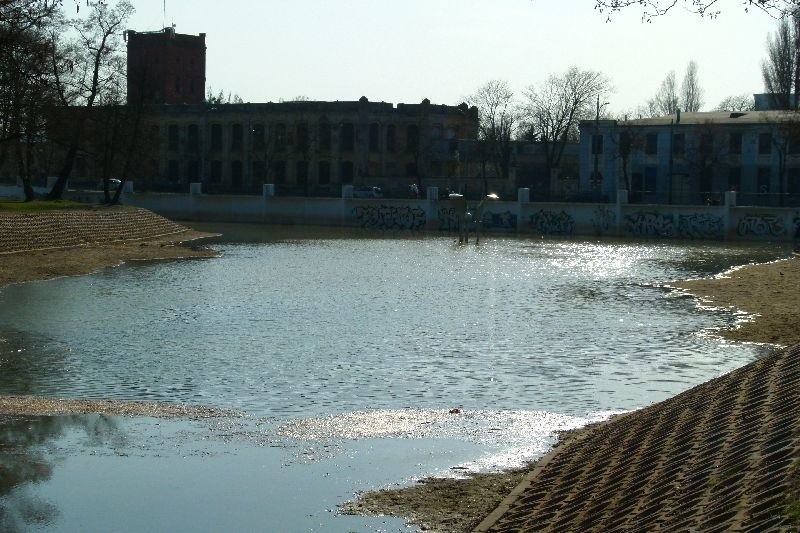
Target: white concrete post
(195, 189)
(730, 198)
(268, 190)
(347, 191)
(432, 194)
(127, 188)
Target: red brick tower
(165, 67)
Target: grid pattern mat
(60, 229)
(723, 456)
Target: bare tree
(25, 83)
(666, 101)
(629, 139)
(85, 67)
(554, 109)
(736, 103)
(691, 92)
(498, 117)
(778, 69)
(710, 8)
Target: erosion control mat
(723, 456)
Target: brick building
(165, 67)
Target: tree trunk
(57, 192)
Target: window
(280, 137)
(734, 178)
(216, 137)
(735, 143)
(346, 173)
(237, 137)
(193, 170)
(390, 138)
(324, 172)
(301, 173)
(216, 171)
(412, 138)
(597, 144)
(325, 137)
(678, 144)
(259, 136)
(193, 138)
(236, 173)
(374, 137)
(650, 176)
(651, 144)
(172, 137)
(764, 143)
(348, 139)
(173, 171)
(302, 137)
(259, 171)
(706, 144)
(280, 171)
(762, 185)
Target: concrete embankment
(49, 244)
(722, 456)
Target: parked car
(113, 184)
(367, 192)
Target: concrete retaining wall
(428, 213)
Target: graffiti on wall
(761, 225)
(552, 222)
(447, 219)
(650, 224)
(390, 217)
(603, 220)
(506, 220)
(701, 226)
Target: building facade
(693, 158)
(303, 148)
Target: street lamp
(596, 148)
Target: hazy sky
(445, 49)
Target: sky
(444, 50)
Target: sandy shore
(721, 456)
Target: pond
(345, 352)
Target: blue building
(693, 158)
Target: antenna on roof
(164, 14)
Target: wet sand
(721, 456)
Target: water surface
(341, 348)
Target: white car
(367, 192)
